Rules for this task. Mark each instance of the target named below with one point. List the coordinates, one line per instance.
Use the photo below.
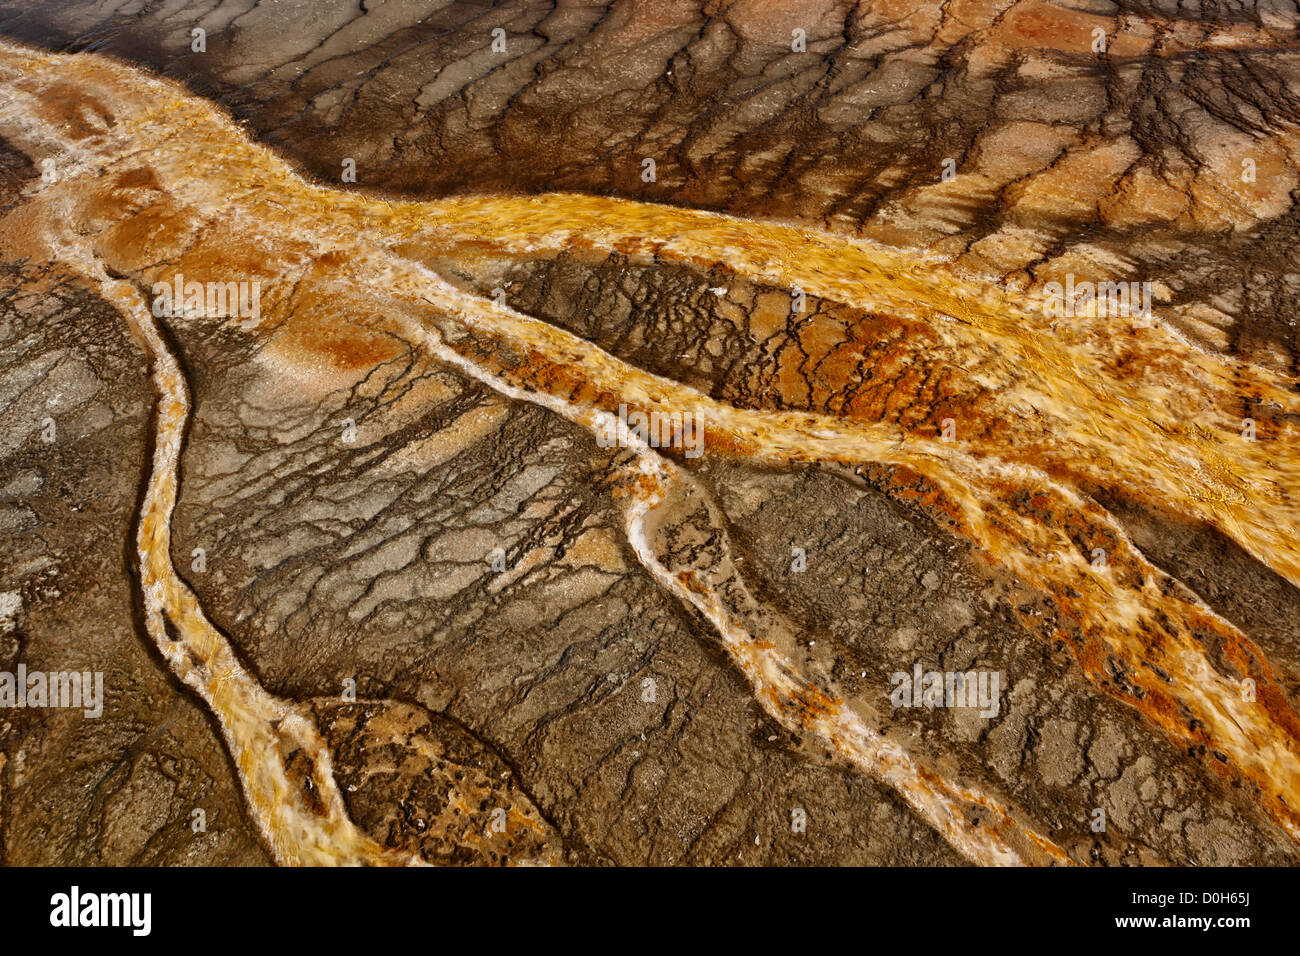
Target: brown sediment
(1150, 415)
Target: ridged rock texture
(374, 575)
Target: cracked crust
(369, 561)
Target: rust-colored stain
(1042, 414)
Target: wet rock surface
(441, 571)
